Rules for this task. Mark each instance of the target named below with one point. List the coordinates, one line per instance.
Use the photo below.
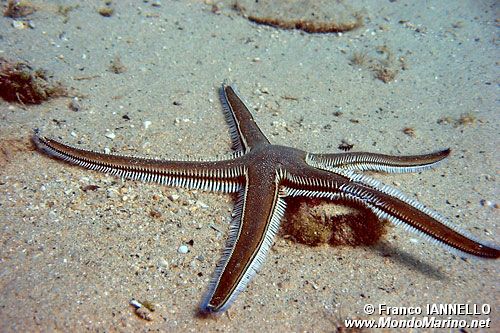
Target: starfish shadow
(409, 260)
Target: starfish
(263, 175)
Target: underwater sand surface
(77, 246)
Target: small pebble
(19, 25)
(486, 203)
(74, 105)
(183, 249)
(110, 135)
(135, 303)
(277, 123)
(111, 193)
(162, 263)
(173, 197)
(201, 204)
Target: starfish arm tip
(446, 152)
(39, 140)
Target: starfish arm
(245, 133)
(377, 162)
(256, 219)
(391, 204)
(223, 176)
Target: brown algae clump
(20, 83)
(307, 16)
(316, 222)
(18, 9)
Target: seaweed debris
(303, 15)
(20, 83)
(308, 25)
(465, 119)
(383, 64)
(116, 66)
(64, 11)
(18, 9)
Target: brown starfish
(263, 175)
